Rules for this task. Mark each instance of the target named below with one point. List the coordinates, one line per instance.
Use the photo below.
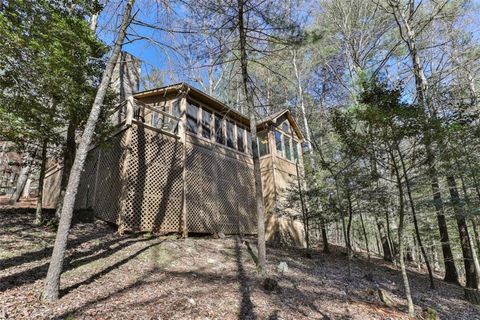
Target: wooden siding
(51, 186)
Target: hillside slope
(140, 277)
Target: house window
(219, 137)
(240, 136)
(295, 151)
(249, 143)
(230, 138)
(206, 120)
(262, 141)
(192, 111)
(166, 119)
(285, 127)
(288, 152)
(176, 113)
(155, 120)
(279, 143)
(176, 108)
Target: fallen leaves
(133, 277)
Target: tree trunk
(306, 222)
(451, 274)
(476, 263)
(476, 240)
(302, 101)
(248, 92)
(414, 214)
(326, 248)
(436, 265)
(52, 281)
(472, 241)
(379, 251)
(26, 188)
(421, 84)
(43, 165)
(389, 234)
(349, 239)
(22, 179)
(418, 255)
(414, 250)
(94, 22)
(474, 177)
(313, 165)
(401, 245)
(365, 235)
(338, 234)
(475, 233)
(387, 252)
(470, 274)
(68, 157)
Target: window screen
(176, 108)
(192, 111)
(278, 143)
(295, 151)
(155, 120)
(263, 143)
(230, 128)
(206, 120)
(240, 135)
(176, 113)
(219, 137)
(288, 152)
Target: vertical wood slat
(182, 133)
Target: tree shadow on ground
(294, 298)
(108, 269)
(246, 309)
(246, 306)
(43, 253)
(74, 260)
(10, 218)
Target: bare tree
(248, 92)
(52, 281)
(409, 34)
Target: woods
(384, 93)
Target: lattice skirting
(154, 198)
(219, 190)
(220, 193)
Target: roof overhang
(277, 118)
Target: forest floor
(108, 276)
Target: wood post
(182, 133)
(123, 163)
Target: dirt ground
(109, 276)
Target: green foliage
(51, 66)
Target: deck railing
(133, 110)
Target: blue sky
(153, 48)
(158, 55)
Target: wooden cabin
(181, 161)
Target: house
(181, 161)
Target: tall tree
(410, 26)
(242, 29)
(52, 281)
(51, 69)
